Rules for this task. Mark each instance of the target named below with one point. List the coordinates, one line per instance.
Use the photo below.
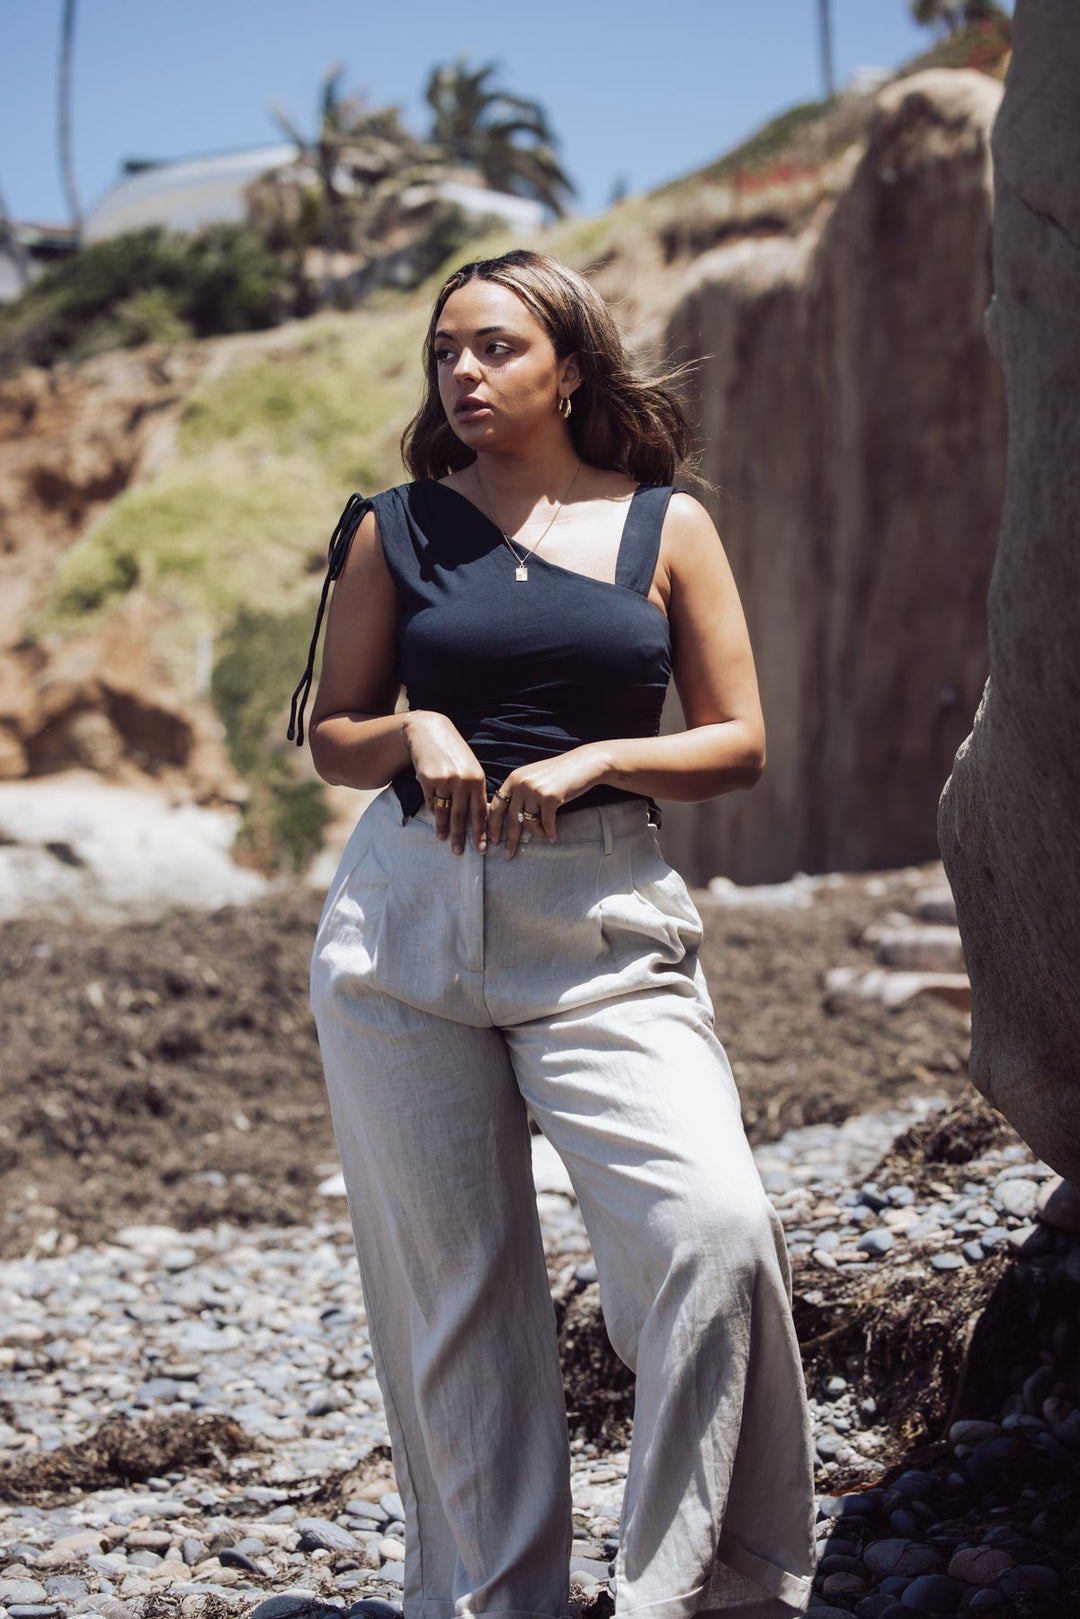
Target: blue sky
(638, 90)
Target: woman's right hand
(450, 776)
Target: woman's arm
(723, 747)
(357, 740)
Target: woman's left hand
(540, 790)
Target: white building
(199, 191)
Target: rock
(374, 1608)
(935, 905)
(900, 1557)
(327, 1400)
(979, 1565)
(294, 1605)
(870, 656)
(970, 1430)
(320, 1534)
(14, 1591)
(1019, 1197)
(1007, 835)
(66, 1586)
(392, 1505)
(877, 1242)
(1034, 1577)
(391, 1550)
(932, 949)
(933, 1593)
(991, 1461)
(843, 1586)
(232, 1557)
(1059, 1205)
(947, 1261)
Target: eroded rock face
(853, 419)
(1009, 815)
(71, 440)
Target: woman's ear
(569, 375)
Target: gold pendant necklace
(521, 572)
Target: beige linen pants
(450, 994)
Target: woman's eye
(498, 348)
(442, 355)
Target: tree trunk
(67, 171)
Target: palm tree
(825, 31)
(67, 169)
(954, 14)
(374, 177)
(505, 137)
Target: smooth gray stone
(994, 1236)
(877, 1242)
(901, 1197)
(144, 1559)
(1028, 1577)
(903, 1558)
(19, 1590)
(973, 1252)
(972, 1431)
(933, 1593)
(947, 1261)
(67, 1587)
(293, 1605)
(373, 1608)
(231, 1557)
(368, 1511)
(392, 1505)
(320, 1534)
(192, 1551)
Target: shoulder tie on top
(356, 508)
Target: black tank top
(524, 670)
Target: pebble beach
(266, 1326)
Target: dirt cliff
(853, 420)
(71, 441)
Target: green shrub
(260, 659)
(262, 654)
(153, 285)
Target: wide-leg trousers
(453, 993)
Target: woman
(503, 934)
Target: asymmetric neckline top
(529, 670)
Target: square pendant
(521, 573)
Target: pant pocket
(645, 906)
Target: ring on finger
(528, 815)
(441, 803)
(501, 795)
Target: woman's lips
(469, 410)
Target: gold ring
(527, 815)
(441, 803)
(500, 794)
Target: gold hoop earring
(564, 407)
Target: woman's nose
(466, 365)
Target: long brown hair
(621, 421)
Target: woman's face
(499, 377)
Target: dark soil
(170, 1073)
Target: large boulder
(1009, 814)
(853, 421)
